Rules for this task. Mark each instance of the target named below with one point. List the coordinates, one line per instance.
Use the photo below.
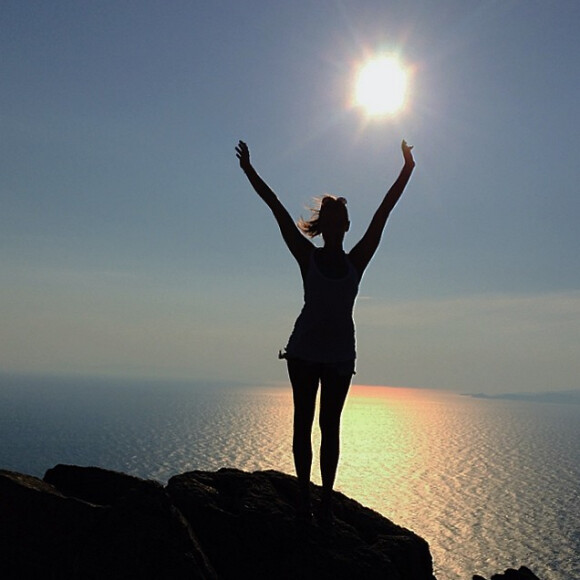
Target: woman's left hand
(243, 154)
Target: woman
(321, 348)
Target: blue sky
(132, 245)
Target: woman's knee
(329, 423)
(302, 429)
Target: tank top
(324, 331)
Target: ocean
(489, 483)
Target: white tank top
(324, 330)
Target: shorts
(343, 368)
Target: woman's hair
(311, 227)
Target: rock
(88, 523)
(247, 527)
(136, 533)
(522, 573)
(40, 529)
(96, 485)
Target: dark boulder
(521, 573)
(90, 523)
(41, 530)
(246, 525)
(135, 533)
(98, 486)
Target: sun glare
(381, 86)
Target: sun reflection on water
(381, 435)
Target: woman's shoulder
(355, 262)
(305, 260)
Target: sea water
(490, 484)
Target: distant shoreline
(569, 397)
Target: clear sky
(132, 245)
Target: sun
(381, 86)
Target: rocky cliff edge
(91, 523)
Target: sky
(131, 244)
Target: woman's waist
(316, 318)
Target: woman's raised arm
(361, 254)
(298, 245)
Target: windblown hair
(311, 227)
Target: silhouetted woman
(321, 348)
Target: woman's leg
(334, 389)
(304, 378)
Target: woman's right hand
(407, 154)
(243, 154)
